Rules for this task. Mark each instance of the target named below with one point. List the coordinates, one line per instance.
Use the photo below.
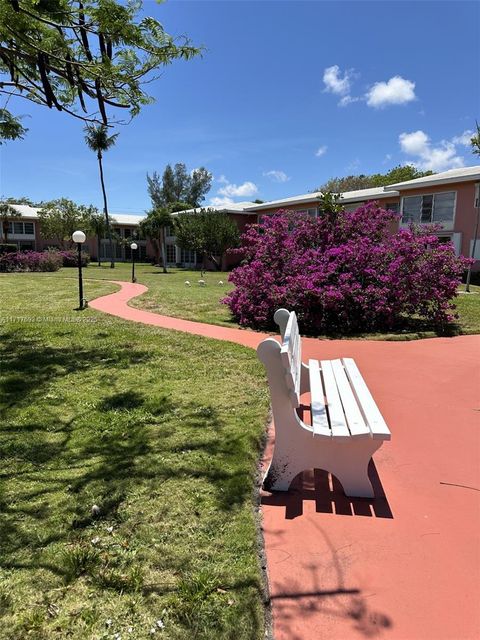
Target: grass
(167, 294)
(128, 462)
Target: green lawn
(167, 294)
(154, 428)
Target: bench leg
(351, 469)
(280, 474)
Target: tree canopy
(178, 187)
(60, 218)
(208, 232)
(475, 141)
(83, 58)
(399, 173)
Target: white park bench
(347, 426)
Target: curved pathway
(406, 564)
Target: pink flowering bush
(70, 258)
(344, 272)
(31, 261)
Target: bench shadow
(327, 492)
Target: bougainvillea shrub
(344, 272)
(31, 261)
(70, 258)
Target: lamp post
(133, 248)
(79, 237)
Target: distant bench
(347, 426)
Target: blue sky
(286, 95)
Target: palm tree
(99, 141)
(7, 213)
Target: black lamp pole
(133, 248)
(79, 238)
(80, 280)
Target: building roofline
(445, 177)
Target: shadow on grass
(28, 366)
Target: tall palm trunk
(105, 210)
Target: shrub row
(50, 260)
(344, 272)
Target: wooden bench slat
(338, 422)
(355, 421)
(373, 417)
(319, 412)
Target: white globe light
(79, 236)
(134, 246)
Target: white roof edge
(307, 197)
(465, 174)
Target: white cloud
(397, 90)
(334, 82)
(221, 202)
(222, 179)
(277, 176)
(241, 190)
(346, 100)
(464, 138)
(440, 157)
(414, 143)
(321, 151)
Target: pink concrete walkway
(405, 565)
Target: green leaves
(82, 58)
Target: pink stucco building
(450, 198)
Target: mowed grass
(155, 429)
(167, 294)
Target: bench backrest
(291, 354)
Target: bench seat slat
(319, 412)
(371, 412)
(338, 422)
(355, 421)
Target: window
(309, 212)
(171, 253)
(436, 207)
(127, 233)
(187, 256)
(392, 206)
(21, 228)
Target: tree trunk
(5, 231)
(105, 211)
(164, 250)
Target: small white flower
(153, 630)
(130, 629)
(108, 622)
(160, 624)
(95, 540)
(220, 282)
(109, 529)
(95, 510)
(117, 636)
